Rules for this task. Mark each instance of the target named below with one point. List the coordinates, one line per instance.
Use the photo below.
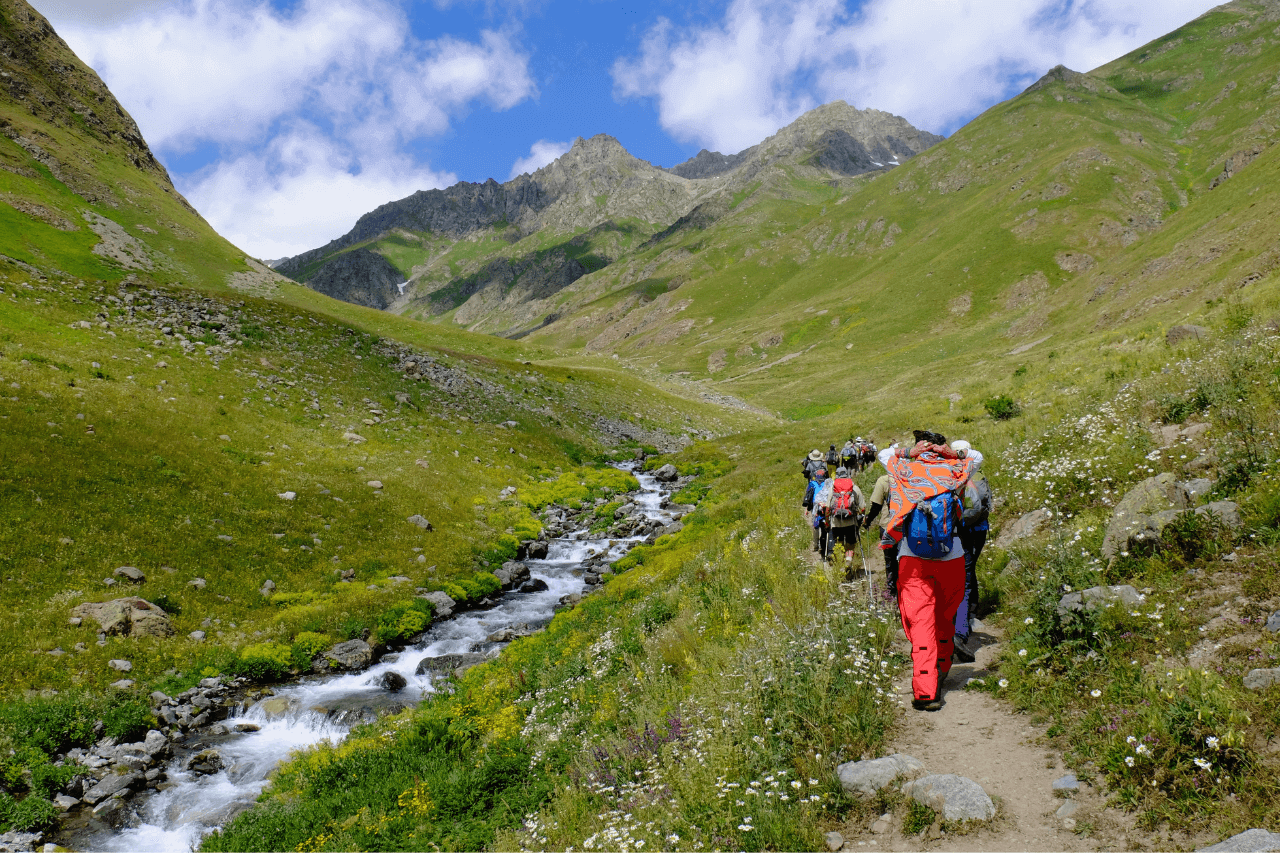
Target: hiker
(849, 455)
(868, 454)
(810, 493)
(889, 548)
(811, 463)
(843, 513)
(833, 458)
(924, 516)
(973, 536)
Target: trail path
(981, 737)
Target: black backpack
(977, 501)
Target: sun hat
(960, 446)
(842, 471)
(815, 455)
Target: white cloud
(300, 192)
(244, 77)
(730, 84)
(541, 153)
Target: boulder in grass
(134, 617)
(953, 797)
(1028, 525)
(1099, 596)
(444, 604)
(1273, 623)
(420, 522)
(1261, 679)
(1185, 332)
(130, 574)
(868, 777)
(1131, 524)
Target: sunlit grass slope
(1080, 206)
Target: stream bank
(223, 739)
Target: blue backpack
(931, 526)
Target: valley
(283, 462)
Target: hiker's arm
(871, 516)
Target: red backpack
(842, 504)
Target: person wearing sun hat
(811, 463)
(931, 582)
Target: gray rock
(1185, 332)
(1202, 464)
(512, 574)
(1025, 527)
(666, 474)
(374, 484)
(1097, 596)
(953, 797)
(536, 550)
(533, 585)
(420, 522)
(1198, 486)
(1068, 784)
(353, 654)
(16, 840)
(65, 803)
(1250, 841)
(111, 784)
(205, 762)
(120, 665)
(135, 617)
(1067, 809)
(1130, 523)
(444, 604)
(245, 728)
(268, 587)
(392, 682)
(123, 684)
(197, 636)
(155, 743)
(834, 841)
(1228, 512)
(867, 777)
(130, 574)
(1261, 679)
(1273, 623)
(198, 583)
(361, 277)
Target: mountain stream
(309, 711)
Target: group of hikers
(933, 506)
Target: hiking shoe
(934, 704)
(963, 652)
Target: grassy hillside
(1052, 216)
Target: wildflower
(1022, 653)
(1211, 742)
(1095, 693)
(1131, 740)
(1028, 621)
(1004, 682)
(745, 827)
(1128, 760)
(1202, 764)
(1143, 749)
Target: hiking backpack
(842, 503)
(848, 456)
(931, 525)
(810, 466)
(977, 501)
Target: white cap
(960, 446)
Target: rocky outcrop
(133, 617)
(1025, 527)
(1098, 596)
(361, 277)
(1250, 841)
(353, 654)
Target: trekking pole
(866, 570)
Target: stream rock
(205, 762)
(444, 604)
(353, 654)
(456, 663)
(112, 784)
(953, 797)
(533, 585)
(512, 574)
(867, 777)
(666, 474)
(134, 617)
(392, 682)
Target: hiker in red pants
(924, 521)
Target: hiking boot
(963, 651)
(934, 704)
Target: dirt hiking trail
(983, 738)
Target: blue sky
(284, 121)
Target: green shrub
(402, 621)
(293, 599)
(48, 779)
(505, 548)
(127, 721)
(265, 661)
(918, 818)
(1002, 407)
(29, 814)
(454, 591)
(306, 646)
(50, 725)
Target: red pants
(929, 593)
